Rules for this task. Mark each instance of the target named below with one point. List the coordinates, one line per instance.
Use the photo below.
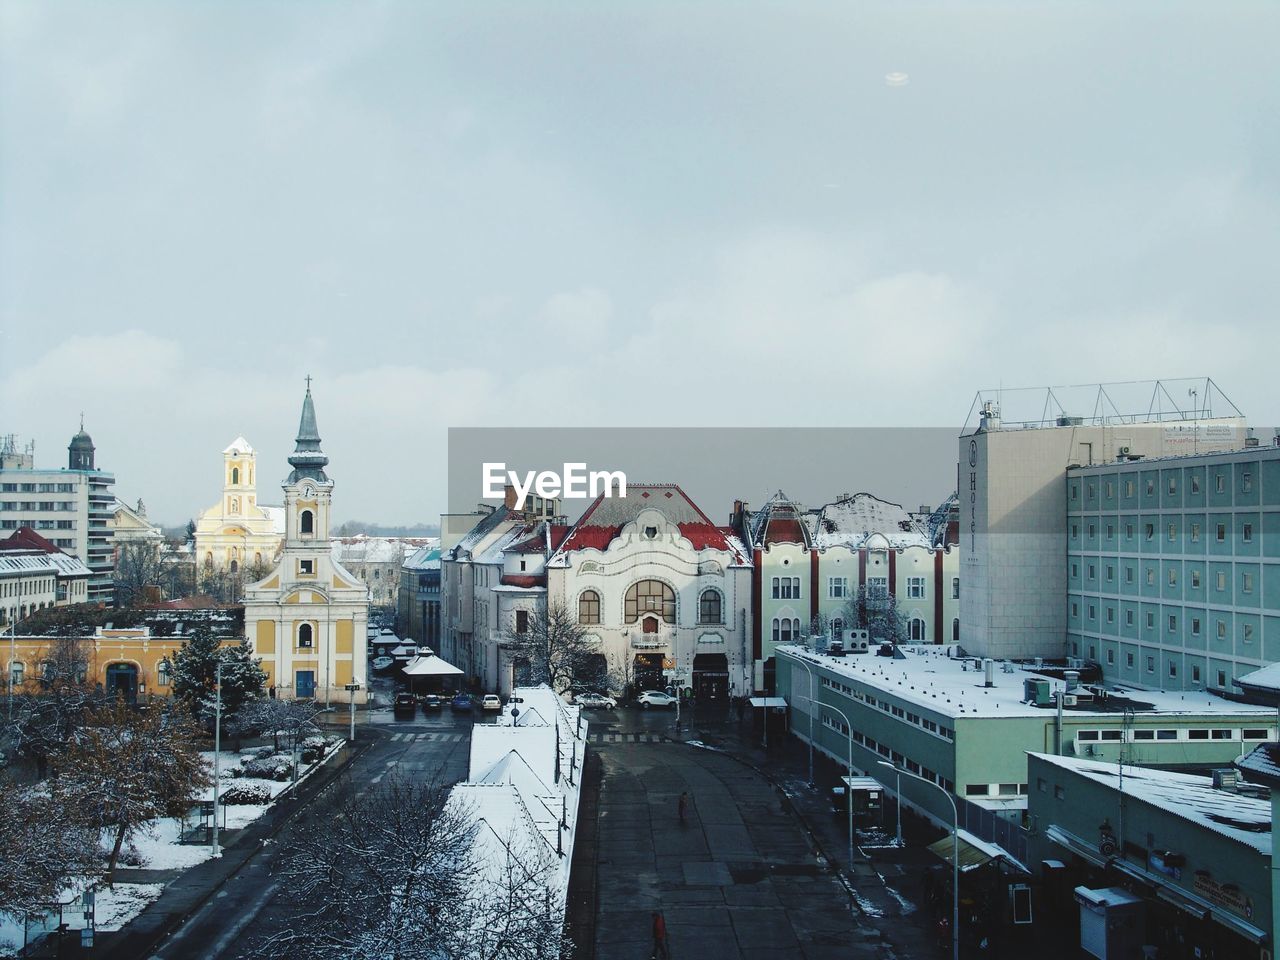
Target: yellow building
(307, 619)
(131, 662)
(237, 533)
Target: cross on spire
(308, 385)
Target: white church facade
(237, 533)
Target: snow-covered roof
(854, 521)
(27, 564)
(426, 557)
(483, 527)
(277, 516)
(366, 549)
(1193, 798)
(929, 676)
(1262, 764)
(430, 666)
(1266, 679)
(238, 447)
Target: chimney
(509, 497)
(989, 667)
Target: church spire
(307, 459)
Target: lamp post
(955, 854)
(897, 801)
(351, 698)
(809, 670)
(217, 751)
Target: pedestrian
(682, 805)
(659, 937)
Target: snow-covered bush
(276, 767)
(243, 793)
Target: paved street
(251, 903)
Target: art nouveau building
(307, 619)
(667, 591)
(237, 533)
(810, 564)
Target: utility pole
(217, 751)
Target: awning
(431, 666)
(974, 852)
(777, 702)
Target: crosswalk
(626, 738)
(429, 737)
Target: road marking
(396, 736)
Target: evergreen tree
(193, 674)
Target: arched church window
(650, 596)
(235, 476)
(307, 522)
(305, 636)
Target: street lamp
(809, 670)
(217, 751)
(955, 854)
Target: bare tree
(557, 649)
(51, 708)
(44, 848)
(876, 611)
(289, 722)
(138, 565)
(128, 766)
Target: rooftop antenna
(1194, 394)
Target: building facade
(1013, 520)
(36, 575)
(813, 567)
(1173, 567)
(237, 533)
(418, 616)
(666, 591)
(377, 561)
(307, 619)
(72, 508)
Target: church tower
(308, 618)
(239, 493)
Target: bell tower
(308, 491)
(239, 494)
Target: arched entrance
(648, 672)
(711, 676)
(122, 681)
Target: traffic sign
(353, 687)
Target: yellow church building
(237, 534)
(307, 619)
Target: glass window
(709, 606)
(589, 607)
(650, 596)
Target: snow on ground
(112, 909)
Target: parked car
(382, 663)
(595, 701)
(656, 698)
(405, 703)
(431, 702)
(491, 701)
(461, 703)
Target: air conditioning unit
(1069, 700)
(1124, 451)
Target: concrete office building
(1173, 567)
(934, 714)
(1013, 518)
(72, 507)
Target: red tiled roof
(588, 537)
(24, 538)
(523, 580)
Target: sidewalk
(885, 884)
(189, 890)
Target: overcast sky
(456, 214)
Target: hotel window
(1111, 655)
(1173, 577)
(1195, 483)
(1075, 531)
(1093, 531)
(1075, 609)
(838, 587)
(915, 588)
(1128, 531)
(1222, 629)
(1246, 482)
(589, 607)
(1222, 533)
(1222, 682)
(1221, 580)
(1195, 533)
(1195, 578)
(1128, 659)
(1173, 532)
(1128, 488)
(1111, 573)
(1195, 626)
(1151, 664)
(955, 588)
(1151, 619)
(1173, 623)
(1093, 612)
(1246, 583)
(1151, 576)
(1149, 531)
(1173, 484)
(1128, 574)
(1246, 632)
(1075, 569)
(1195, 674)
(1144, 734)
(1091, 489)
(1111, 614)
(1221, 483)
(1248, 533)
(1093, 572)
(1111, 531)
(1128, 620)
(1111, 489)
(1253, 733)
(709, 607)
(1173, 669)
(1151, 487)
